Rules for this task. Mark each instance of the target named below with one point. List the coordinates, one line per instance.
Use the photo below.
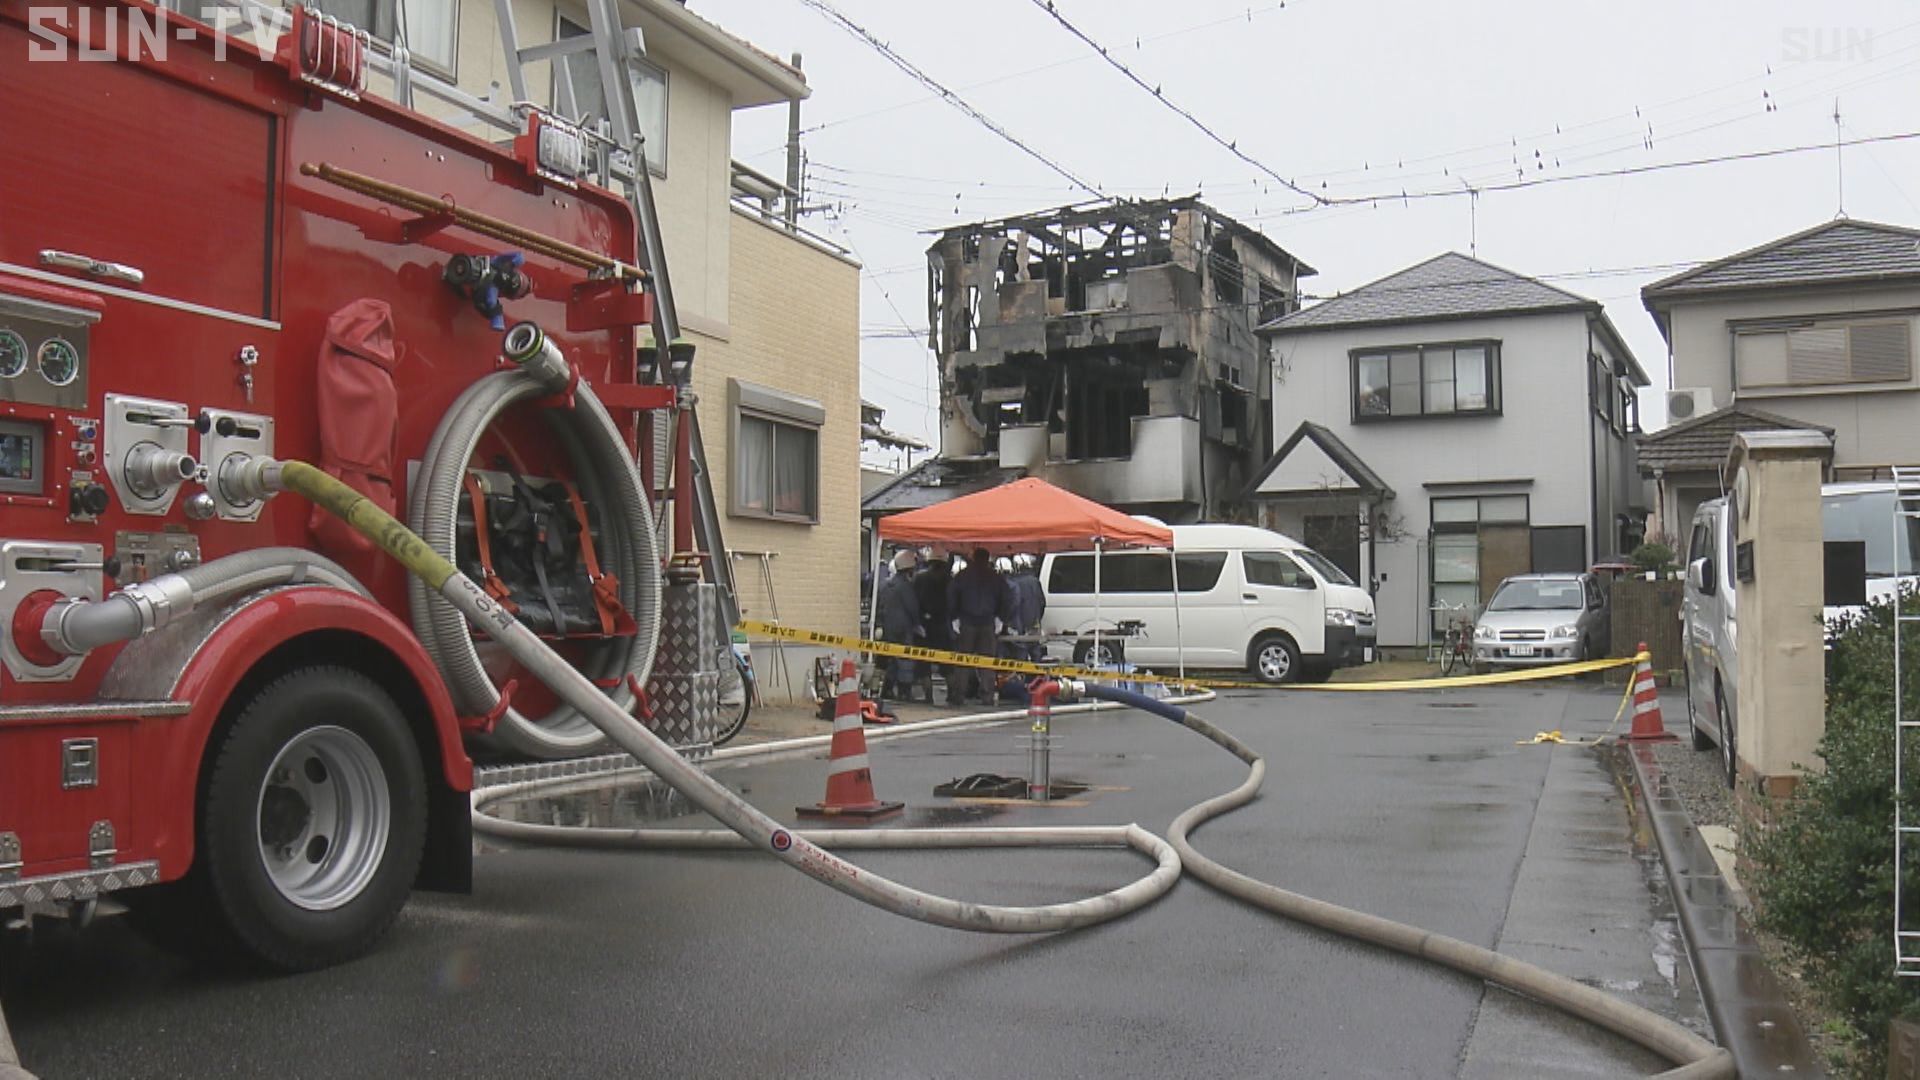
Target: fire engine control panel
(43, 352)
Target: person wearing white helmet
(1029, 604)
(897, 613)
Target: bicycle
(1456, 649)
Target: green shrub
(1824, 870)
(1653, 556)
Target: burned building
(1111, 350)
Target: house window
(432, 26)
(590, 100)
(1477, 541)
(1824, 352)
(1427, 380)
(775, 454)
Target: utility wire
(1629, 170)
(1232, 146)
(863, 34)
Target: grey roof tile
(1835, 252)
(1449, 286)
(1703, 442)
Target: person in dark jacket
(1029, 605)
(896, 613)
(930, 588)
(979, 600)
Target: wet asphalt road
(1414, 806)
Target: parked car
(1543, 619)
(1249, 598)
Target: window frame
(1846, 321)
(779, 409)
(389, 34)
(560, 22)
(1492, 366)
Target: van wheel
(1104, 655)
(315, 819)
(1273, 658)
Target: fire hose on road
(1695, 1056)
(808, 852)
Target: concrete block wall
(794, 325)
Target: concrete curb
(1750, 1013)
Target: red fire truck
(218, 245)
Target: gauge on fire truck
(59, 361)
(13, 354)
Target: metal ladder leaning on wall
(1906, 612)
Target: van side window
(1200, 570)
(1275, 568)
(1697, 544)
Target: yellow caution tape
(1023, 667)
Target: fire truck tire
(314, 823)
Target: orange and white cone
(1648, 725)
(849, 776)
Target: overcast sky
(1363, 98)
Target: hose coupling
(245, 479)
(159, 600)
(152, 471)
(1070, 690)
(75, 626)
(528, 346)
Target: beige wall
(1871, 425)
(796, 328)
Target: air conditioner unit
(1689, 403)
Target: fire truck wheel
(315, 819)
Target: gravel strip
(1696, 777)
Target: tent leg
(1094, 656)
(1179, 637)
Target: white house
(1446, 427)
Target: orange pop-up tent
(1030, 516)
(1027, 515)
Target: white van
(1249, 598)
(1866, 560)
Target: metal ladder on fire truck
(1906, 612)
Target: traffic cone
(1648, 725)
(849, 778)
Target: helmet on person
(1003, 564)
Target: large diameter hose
(760, 832)
(608, 478)
(80, 626)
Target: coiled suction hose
(607, 478)
(805, 852)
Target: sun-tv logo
(95, 35)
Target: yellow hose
(368, 520)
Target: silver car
(1543, 619)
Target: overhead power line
(1232, 146)
(863, 34)
(1602, 174)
